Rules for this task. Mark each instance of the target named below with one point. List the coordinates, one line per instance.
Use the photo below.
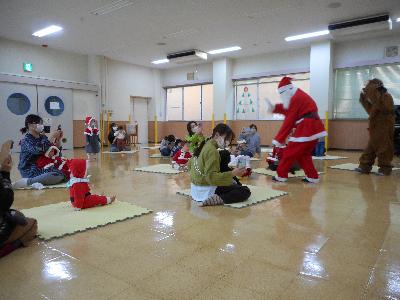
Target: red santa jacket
(52, 159)
(91, 131)
(302, 118)
(79, 184)
(181, 157)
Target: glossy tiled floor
(336, 240)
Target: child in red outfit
(181, 157)
(79, 189)
(52, 158)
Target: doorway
(17, 100)
(139, 113)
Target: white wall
(47, 62)
(125, 80)
(273, 63)
(85, 103)
(177, 76)
(360, 52)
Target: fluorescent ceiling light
(48, 30)
(306, 35)
(223, 50)
(160, 61)
(398, 20)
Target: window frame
(258, 81)
(183, 100)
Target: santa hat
(78, 168)
(88, 119)
(51, 149)
(285, 84)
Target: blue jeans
(165, 151)
(47, 178)
(246, 152)
(319, 149)
(113, 148)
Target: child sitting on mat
(209, 184)
(181, 158)
(166, 145)
(51, 158)
(178, 146)
(79, 189)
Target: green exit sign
(27, 67)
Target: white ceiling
(131, 34)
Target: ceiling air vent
(112, 6)
(187, 57)
(356, 26)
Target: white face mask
(115, 128)
(222, 144)
(39, 128)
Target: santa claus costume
(79, 189)
(52, 158)
(92, 136)
(303, 123)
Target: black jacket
(111, 136)
(7, 223)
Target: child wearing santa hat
(52, 158)
(92, 137)
(303, 123)
(79, 189)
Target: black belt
(311, 115)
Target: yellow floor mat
(160, 168)
(57, 220)
(351, 167)
(258, 194)
(264, 171)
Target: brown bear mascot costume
(378, 103)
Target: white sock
(108, 200)
(22, 183)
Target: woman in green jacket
(209, 185)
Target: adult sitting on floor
(15, 229)
(33, 145)
(111, 137)
(209, 184)
(378, 103)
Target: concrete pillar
(223, 89)
(321, 76)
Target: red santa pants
(90, 201)
(300, 152)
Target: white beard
(286, 96)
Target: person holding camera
(34, 144)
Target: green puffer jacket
(205, 169)
(194, 141)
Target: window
(18, 104)
(54, 106)
(348, 85)
(174, 104)
(190, 103)
(207, 102)
(250, 96)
